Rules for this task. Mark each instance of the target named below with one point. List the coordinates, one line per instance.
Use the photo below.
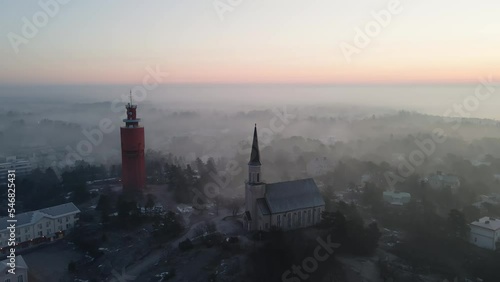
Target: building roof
(60, 209)
(248, 216)
(397, 198)
(20, 264)
(397, 195)
(255, 155)
(263, 207)
(445, 178)
(293, 195)
(28, 218)
(487, 223)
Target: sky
(249, 41)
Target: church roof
(263, 207)
(293, 195)
(255, 156)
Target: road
(134, 271)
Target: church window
(289, 220)
(309, 217)
(299, 219)
(279, 220)
(314, 216)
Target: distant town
(155, 216)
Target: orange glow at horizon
(281, 41)
(318, 74)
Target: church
(285, 205)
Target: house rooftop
(396, 194)
(487, 223)
(20, 264)
(449, 178)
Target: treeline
(340, 231)
(435, 243)
(347, 227)
(186, 181)
(433, 230)
(43, 188)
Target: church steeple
(254, 163)
(255, 156)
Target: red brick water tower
(132, 137)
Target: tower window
(258, 177)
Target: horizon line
(326, 84)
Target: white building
(397, 198)
(22, 168)
(21, 271)
(285, 205)
(485, 233)
(487, 200)
(40, 226)
(441, 181)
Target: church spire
(255, 156)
